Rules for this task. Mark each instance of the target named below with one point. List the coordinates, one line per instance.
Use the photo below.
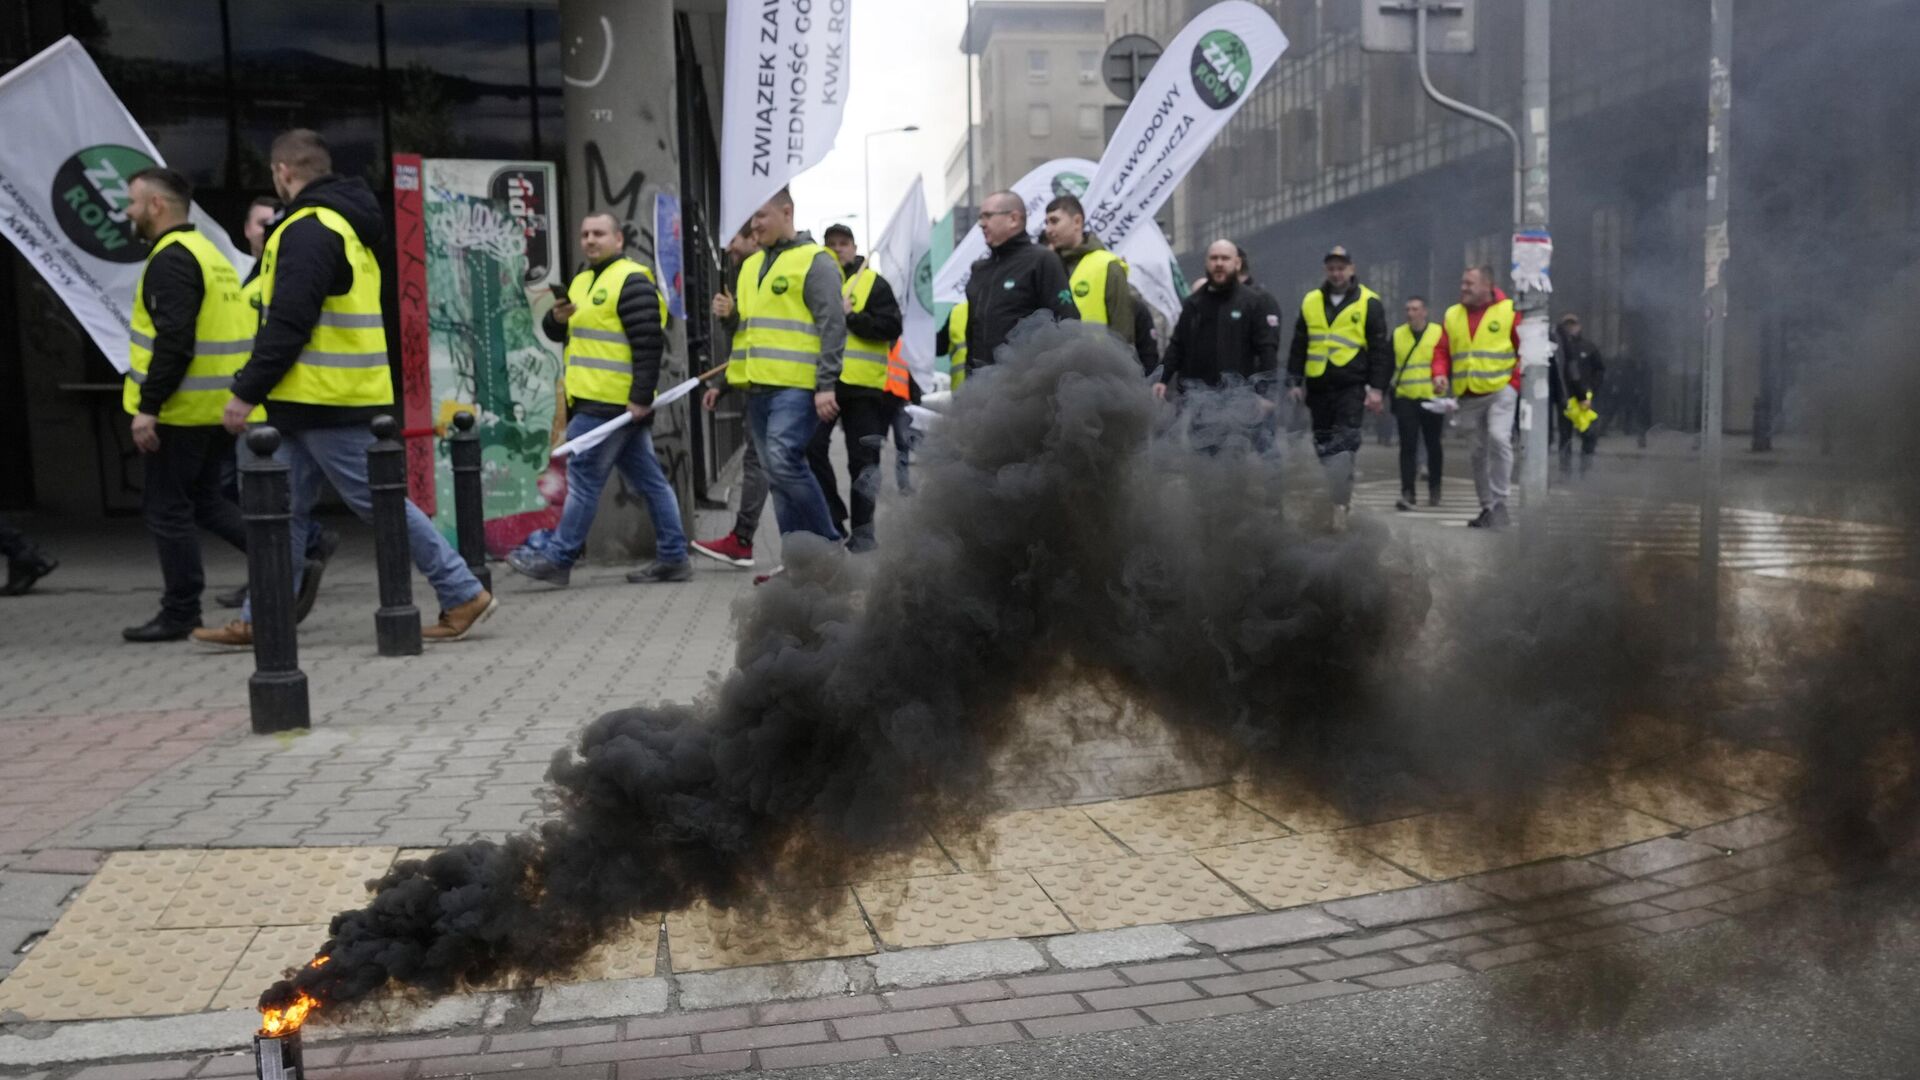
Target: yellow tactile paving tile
(1750, 769)
(1296, 870)
(410, 853)
(630, 954)
(1029, 838)
(101, 976)
(1298, 810)
(1114, 893)
(268, 957)
(924, 859)
(129, 891)
(1683, 800)
(1183, 821)
(1454, 844)
(960, 907)
(275, 886)
(818, 925)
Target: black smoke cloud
(1064, 535)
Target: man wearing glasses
(1017, 278)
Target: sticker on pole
(1533, 261)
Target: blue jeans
(340, 455)
(631, 451)
(782, 423)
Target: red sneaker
(729, 549)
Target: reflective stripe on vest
(344, 363)
(599, 359)
(1483, 361)
(866, 358)
(778, 338)
(1089, 284)
(222, 332)
(957, 344)
(1338, 342)
(1413, 362)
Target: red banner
(416, 383)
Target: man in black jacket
(1578, 370)
(1227, 336)
(1017, 278)
(319, 365)
(613, 307)
(866, 410)
(1341, 365)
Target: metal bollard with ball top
(277, 690)
(468, 509)
(397, 624)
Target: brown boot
(453, 625)
(234, 635)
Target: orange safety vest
(898, 375)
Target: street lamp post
(866, 170)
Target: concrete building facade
(1040, 91)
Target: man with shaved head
(1227, 336)
(1017, 278)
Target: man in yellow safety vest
(191, 332)
(1097, 276)
(1340, 366)
(792, 341)
(319, 365)
(613, 323)
(874, 322)
(1479, 356)
(1414, 387)
(735, 548)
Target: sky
(907, 69)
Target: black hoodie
(1015, 280)
(312, 265)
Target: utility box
(1387, 26)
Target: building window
(1089, 65)
(1040, 121)
(1039, 62)
(1090, 120)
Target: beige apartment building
(1041, 95)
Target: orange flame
(288, 1020)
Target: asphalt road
(1817, 990)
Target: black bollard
(277, 691)
(468, 513)
(397, 623)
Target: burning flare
(287, 1020)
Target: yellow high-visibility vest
(1413, 362)
(345, 359)
(222, 338)
(780, 340)
(1482, 362)
(1089, 284)
(1334, 343)
(599, 359)
(957, 343)
(866, 360)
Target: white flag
(1202, 79)
(904, 257)
(1064, 176)
(1149, 258)
(69, 149)
(787, 68)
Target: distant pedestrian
(1582, 376)
(1479, 355)
(1016, 279)
(319, 364)
(192, 330)
(1340, 365)
(26, 563)
(793, 337)
(736, 548)
(866, 410)
(613, 324)
(1415, 387)
(1227, 335)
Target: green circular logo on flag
(1222, 67)
(90, 201)
(1067, 183)
(923, 282)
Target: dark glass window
(166, 63)
(458, 81)
(314, 64)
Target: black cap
(1337, 251)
